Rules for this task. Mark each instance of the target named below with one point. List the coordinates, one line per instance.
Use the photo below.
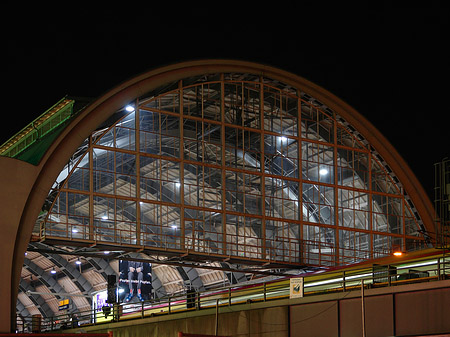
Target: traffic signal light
(111, 290)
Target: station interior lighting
(323, 171)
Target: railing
(423, 270)
(38, 128)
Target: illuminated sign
(63, 304)
(100, 300)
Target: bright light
(398, 253)
(78, 262)
(106, 252)
(283, 139)
(323, 171)
(53, 271)
(74, 230)
(177, 184)
(174, 226)
(104, 217)
(121, 290)
(129, 108)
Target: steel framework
(236, 167)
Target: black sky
(389, 60)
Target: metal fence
(422, 270)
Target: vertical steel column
(362, 309)
(370, 201)
(181, 190)
(217, 318)
(115, 186)
(92, 235)
(263, 170)
(224, 172)
(138, 171)
(300, 178)
(336, 192)
(403, 210)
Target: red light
(398, 253)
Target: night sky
(389, 60)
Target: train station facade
(208, 164)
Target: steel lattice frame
(210, 167)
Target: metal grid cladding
(233, 166)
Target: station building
(210, 171)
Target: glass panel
(160, 180)
(381, 181)
(107, 139)
(125, 133)
(353, 209)
(242, 149)
(282, 198)
(411, 225)
(202, 141)
(318, 245)
(243, 236)
(280, 112)
(69, 216)
(345, 138)
(203, 231)
(353, 246)
(384, 245)
(159, 133)
(318, 203)
(317, 162)
(79, 178)
(160, 225)
(242, 104)
(167, 102)
(202, 186)
(282, 243)
(280, 155)
(387, 214)
(243, 192)
(125, 174)
(316, 124)
(352, 168)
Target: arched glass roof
(232, 166)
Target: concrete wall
(409, 310)
(16, 181)
(267, 322)
(415, 309)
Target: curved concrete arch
(50, 282)
(43, 277)
(20, 212)
(22, 311)
(37, 299)
(102, 266)
(71, 272)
